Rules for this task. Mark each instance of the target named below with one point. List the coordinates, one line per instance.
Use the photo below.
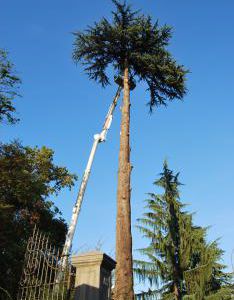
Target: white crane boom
(98, 138)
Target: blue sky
(62, 109)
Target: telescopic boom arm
(98, 138)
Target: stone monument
(93, 276)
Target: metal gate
(41, 271)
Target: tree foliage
(180, 262)
(9, 84)
(133, 40)
(28, 178)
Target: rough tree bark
(124, 272)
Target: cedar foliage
(179, 263)
(133, 39)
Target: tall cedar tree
(9, 84)
(179, 260)
(28, 178)
(135, 48)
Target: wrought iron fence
(42, 268)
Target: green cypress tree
(180, 263)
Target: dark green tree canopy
(9, 84)
(178, 254)
(132, 40)
(28, 178)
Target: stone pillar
(93, 276)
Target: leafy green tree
(9, 84)
(136, 48)
(180, 263)
(28, 178)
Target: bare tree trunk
(124, 272)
